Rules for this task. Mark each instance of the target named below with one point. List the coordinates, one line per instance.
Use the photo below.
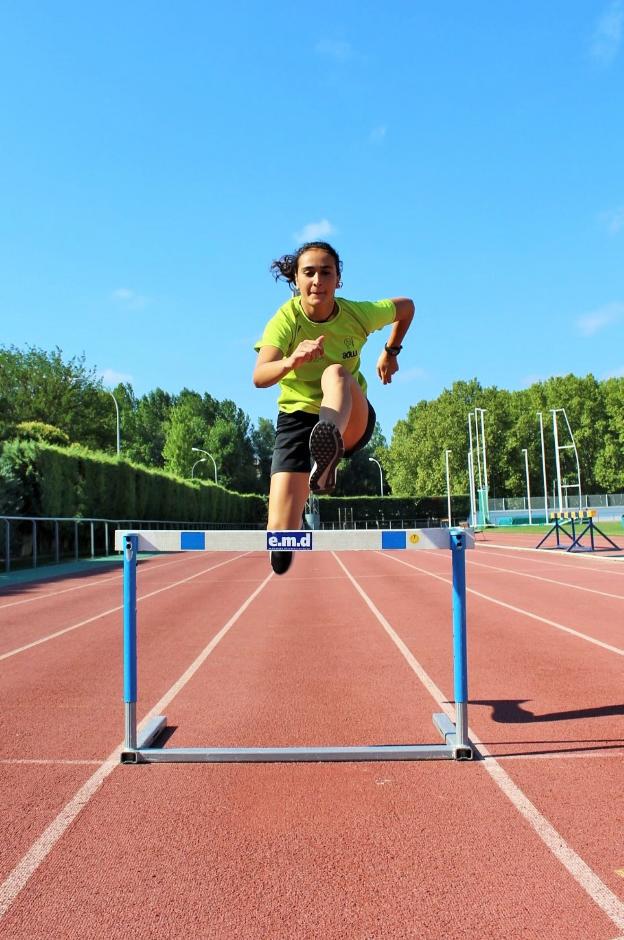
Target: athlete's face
(317, 280)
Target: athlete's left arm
(387, 364)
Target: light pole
(201, 460)
(380, 475)
(448, 486)
(117, 413)
(200, 451)
(526, 467)
(541, 424)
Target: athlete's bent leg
(287, 499)
(342, 423)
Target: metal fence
(590, 501)
(30, 541)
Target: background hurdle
(138, 748)
(584, 519)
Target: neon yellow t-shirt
(345, 335)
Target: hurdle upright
(139, 744)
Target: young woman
(312, 347)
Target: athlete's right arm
(272, 365)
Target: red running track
(525, 842)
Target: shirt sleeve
(278, 332)
(375, 314)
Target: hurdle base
(145, 736)
(144, 754)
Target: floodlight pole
(201, 460)
(200, 451)
(478, 445)
(557, 460)
(526, 467)
(486, 509)
(380, 475)
(471, 476)
(541, 424)
(448, 486)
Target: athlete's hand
(307, 351)
(387, 365)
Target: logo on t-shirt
(350, 352)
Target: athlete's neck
(318, 316)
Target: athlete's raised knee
(335, 373)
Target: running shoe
(281, 561)
(326, 450)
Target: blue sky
(156, 157)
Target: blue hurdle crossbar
(138, 747)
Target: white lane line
(516, 610)
(30, 862)
(105, 613)
(537, 577)
(585, 877)
(79, 587)
(44, 760)
(593, 558)
(541, 562)
(560, 755)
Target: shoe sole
(326, 450)
(281, 561)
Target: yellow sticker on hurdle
(414, 538)
(620, 872)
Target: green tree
(40, 431)
(234, 456)
(183, 429)
(359, 476)
(263, 442)
(144, 428)
(36, 385)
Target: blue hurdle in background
(140, 749)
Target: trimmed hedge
(38, 479)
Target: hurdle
(140, 747)
(584, 518)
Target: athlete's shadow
(510, 711)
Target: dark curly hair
(285, 268)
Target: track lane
(63, 700)
(532, 693)
(588, 614)
(381, 850)
(57, 611)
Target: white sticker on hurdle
(323, 540)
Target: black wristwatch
(392, 350)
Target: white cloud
(335, 49)
(596, 320)
(314, 231)
(607, 37)
(613, 220)
(129, 298)
(110, 377)
(378, 133)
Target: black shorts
(292, 440)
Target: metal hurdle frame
(139, 745)
(584, 518)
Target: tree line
(159, 430)
(415, 460)
(46, 396)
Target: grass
(610, 528)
